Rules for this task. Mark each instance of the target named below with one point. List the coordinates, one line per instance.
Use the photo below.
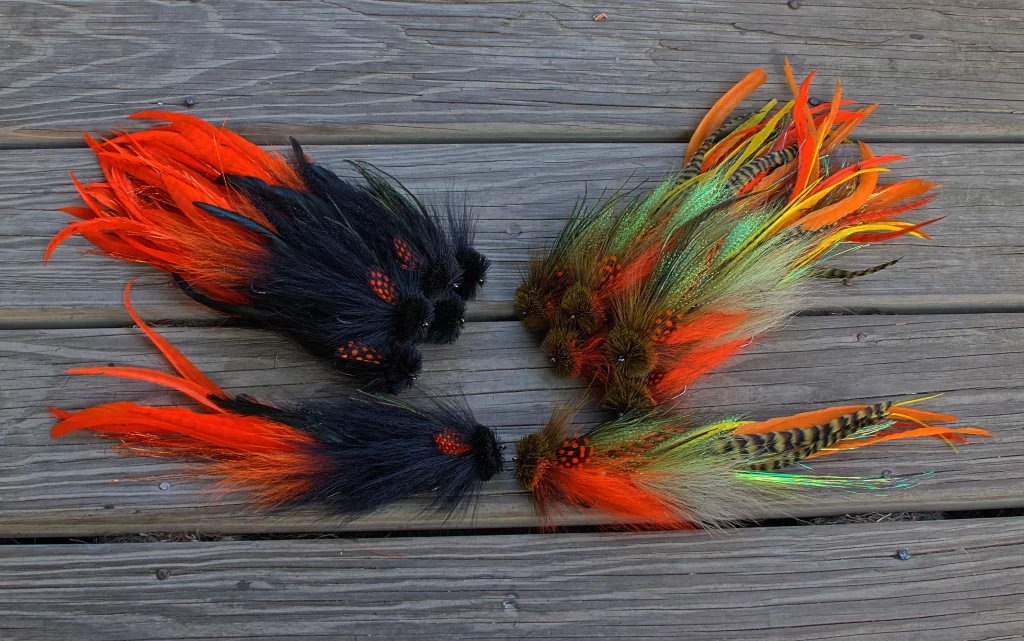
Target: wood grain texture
(829, 583)
(76, 486)
(523, 194)
(369, 71)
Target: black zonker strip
(241, 221)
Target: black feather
(384, 209)
(330, 276)
(324, 285)
(374, 450)
(462, 229)
(449, 318)
(394, 222)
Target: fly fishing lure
(352, 455)
(662, 469)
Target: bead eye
(620, 358)
(554, 360)
(462, 321)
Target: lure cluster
(359, 272)
(643, 295)
(647, 295)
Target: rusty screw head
(162, 574)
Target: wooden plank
(523, 194)
(70, 486)
(364, 70)
(963, 580)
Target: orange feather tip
(723, 107)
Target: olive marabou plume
(356, 271)
(670, 285)
(351, 455)
(664, 470)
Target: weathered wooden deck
(521, 106)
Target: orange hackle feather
(725, 106)
(238, 448)
(146, 208)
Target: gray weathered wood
(366, 71)
(523, 194)
(69, 486)
(963, 580)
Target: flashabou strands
(351, 456)
(359, 272)
(657, 469)
(646, 296)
